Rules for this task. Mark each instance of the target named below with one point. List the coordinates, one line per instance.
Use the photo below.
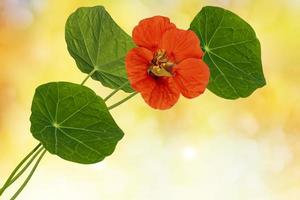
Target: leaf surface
(74, 123)
(232, 52)
(99, 46)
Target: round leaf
(232, 52)
(99, 46)
(74, 123)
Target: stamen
(160, 65)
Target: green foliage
(74, 123)
(99, 46)
(71, 121)
(232, 52)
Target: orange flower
(166, 63)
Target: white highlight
(189, 153)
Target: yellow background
(207, 148)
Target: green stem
(25, 167)
(29, 176)
(115, 91)
(122, 101)
(7, 183)
(88, 76)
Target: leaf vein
(80, 142)
(222, 73)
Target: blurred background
(207, 148)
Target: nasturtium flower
(167, 62)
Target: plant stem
(7, 183)
(115, 91)
(88, 76)
(122, 101)
(29, 176)
(25, 167)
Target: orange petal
(191, 77)
(163, 95)
(149, 32)
(181, 44)
(137, 63)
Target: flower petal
(191, 77)
(137, 63)
(163, 95)
(149, 32)
(181, 44)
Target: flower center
(160, 64)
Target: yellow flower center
(160, 64)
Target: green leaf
(74, 123)
(99, 45)
(232, 52)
